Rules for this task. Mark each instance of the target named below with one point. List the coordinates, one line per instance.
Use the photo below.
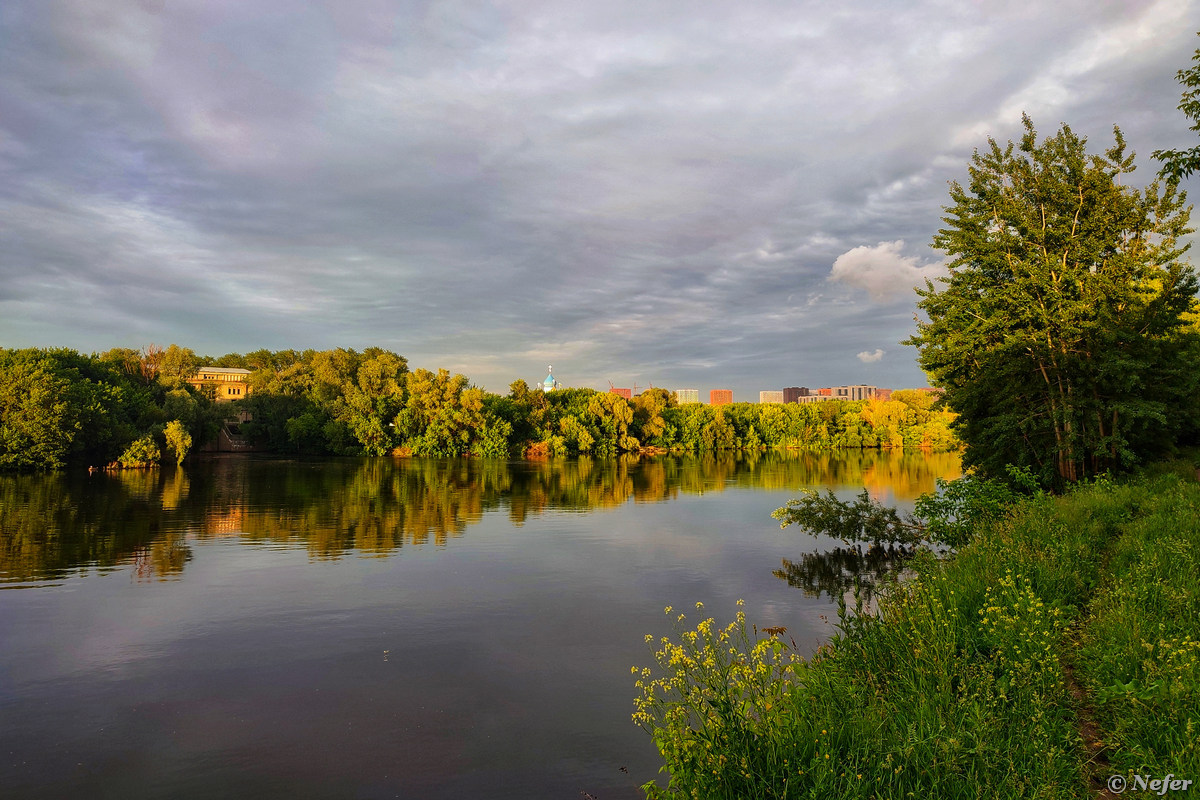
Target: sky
(708, 195)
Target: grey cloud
(618, 189)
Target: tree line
(60, 407)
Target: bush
(144, 452)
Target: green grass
(958, 686)
(1139, 656)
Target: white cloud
(870, 358)
(883, 271)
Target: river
(379, 628)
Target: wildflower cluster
(717, 711)
(1022, 634)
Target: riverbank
(1057, 650)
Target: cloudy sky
(706, 194)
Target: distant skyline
(716, 196)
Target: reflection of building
(772, 396)
(720, 397)
(223, 522)
(224, 383)
(687, 396)
(550, 384)
(792, 393)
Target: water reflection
(52, 525)
(844, 571)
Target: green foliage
(338, 402)
(1179, 164)
(179, 441)
(953, 513)
(864, 520)
(178, 364)
(37, 428)
(1140, 652)
(1059, 336)
(58, 407)
(143, 452)
(950, 515)
(956, 684)
(718, 713)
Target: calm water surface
(249, 627)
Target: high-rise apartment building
(720, 397)
(772, 396)
(858, 392)
(687, 396)
(792, 394)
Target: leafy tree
(1058, 336)
(1178, 164)
(611, 416)
(178, 439)
(577, 437)
(37, 427)
(178, 363)
(649, 424)
(916, 399)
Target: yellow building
(222, 383)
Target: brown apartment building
(792, 394)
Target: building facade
(720, 397)
(687, 396)
(792, 394)
(222, 384)
(858, 392)
(626, 393)
(771, 396)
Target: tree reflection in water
(54, 525)
(845, 571)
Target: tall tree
(1059, 335)
(1178, 164)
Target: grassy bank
(992, 674)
